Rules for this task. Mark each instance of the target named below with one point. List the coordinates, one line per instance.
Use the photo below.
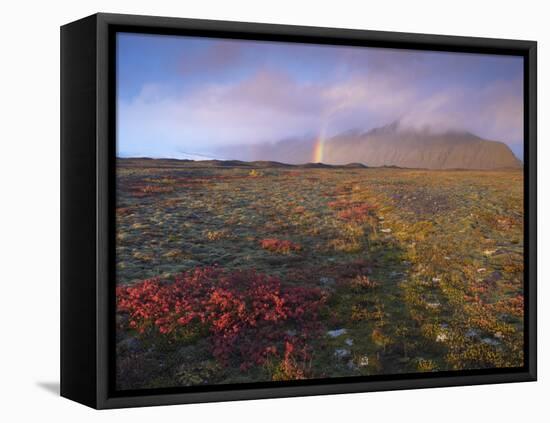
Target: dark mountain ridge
(258, 164)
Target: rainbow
(319, 148)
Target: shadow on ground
(51, 387)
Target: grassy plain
(414, 270)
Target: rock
(472, 333)
(481, 270)
(436, 280)
(363, 361)
(441, 337)
(490, 341)
(386, 231)
(342, 353)
(349, 342)
(336, 332)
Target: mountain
(392, 145)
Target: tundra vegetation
(234, 272)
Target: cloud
(270, 102)
(217, 57)
(494, 112)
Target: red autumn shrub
(293, 365)
(513, 306)
(356, 213)
(281, 246)
(249, 316)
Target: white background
(29, 209)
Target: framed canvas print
(254, 211)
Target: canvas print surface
(294, 211)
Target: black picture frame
(87, 208)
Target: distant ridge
(258, 164)
(314, 165)
(355, 166)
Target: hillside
(394, 146)
(390, 145)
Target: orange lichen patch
(281, 246)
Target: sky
(194, 97)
